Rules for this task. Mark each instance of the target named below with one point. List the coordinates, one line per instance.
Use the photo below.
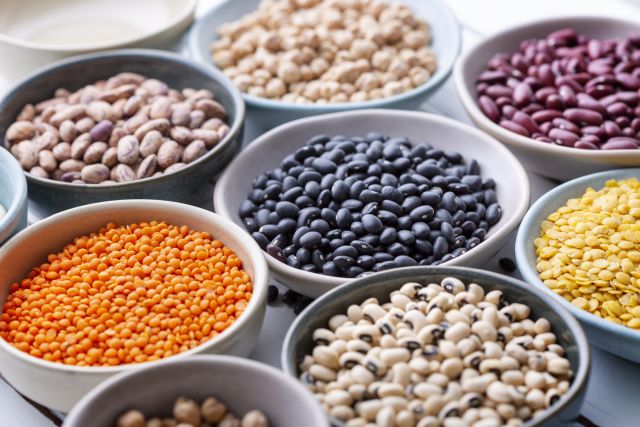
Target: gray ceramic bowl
(611, 337)
(562, 163)
(192, 184)
(267, 113)
(298, 341)
(267, 152)
(13, 196)
(243, 385)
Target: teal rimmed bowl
(13, 196)
(266, 113)
(610, 337)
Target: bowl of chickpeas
(105, 288)
(221, 391)
(305, 57)
(579, 244)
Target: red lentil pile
(127, 294)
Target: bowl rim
(128, 54)
(258, 298)
(314, 108)
(219, 361)
(310, 279)
(188, 9)
(14, 210)
(533, 219)
(511, 138)
(581, 374)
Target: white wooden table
(613, 396)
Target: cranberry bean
(489, 108)
(514, 127)
(563, 136)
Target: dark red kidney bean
(622, 48)
(585, 145)
(628, 132)
(508, 111)
(583, 116)
(545, 115)
(636, 111)
(598, 91)
(566, 124)
(618, 109)
(636, 73)
(481, 88)
(591, 139)
(544, 139)
(492, 77)
(532, 108)
(502, 101)
(514, 127)
(580, 78)
(518, 62)
(554, 102)
(605, 79)
(564, 137)
(524, 120)
(568, 81)
(594, 48)
(628, 81)
(522, 95)
(611, 129)
(533, 82)
(496, 91)
(568, 95)
(623, 122)
(592, 130)
(599, 68)
(619, 143)
(563, 37)
(497, 60)
(542, 94)
(546, 127)
(630, 98)
(512, 82)
(623, 67)
(635, 124)
(608, 100)
(545, 75)
(588, 102)
(489, 108)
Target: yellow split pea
(589, 252)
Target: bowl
(611, 337)
(36, 33)
(267, 151)
(41, 380)
(266, 113)
(13, 196)
(554, 161)
(298, 341)
(243, 385)
(192, 184)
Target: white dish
(41, 380)
(266, 152)
(34, 33)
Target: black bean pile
(567, 89)
(347, 206)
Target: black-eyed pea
(478, 384)
(342, 412)
(434, 404)
(452, 367)
(537, 362)
(517, 329)
(39, 172)
(428, 421)
(512, 377)
(435, 315)
(499, 392)
(468, 373)
(322, 373)
(368, 409)
(339, 346)
(559, 366)
(505, 334)
(541, 326)
(473, 360)
(326, 356)
(385, 417)
(457, 332)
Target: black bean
(363, 247)
(365, 262)
(304, 202)
(472, 243)
(287, 209)
(356, 188)
(449, 202)
(430, 198)
(290, 297)
(348, 236)
(317, 258)
(507, 264)
(354, 271)
(392, 193)
(372, 239)
(370, 208)
(406, 237)
(405, 261)
(382, 256)
(269, 230)
(339, 191)
(343, 262)
(292, 194)
(272, 294)
(429, 170)
(299, 233)
(446, 231)
(386, 265)
(420, 230)
(494, 212)
(410, 203)
(358, 228)
(368, 196)
(323, 166)
(303, 255)
(275, 252)
(310, 239)
(388, 236)
(246, 208)
(421, 213)
(320, 225)
(404, 223)
(293, 261)
(312, 189)
(330, 268)
(281, 240)
(424, 246)
(372, 223)
(309, 268)
(397, 248)
(440, 247)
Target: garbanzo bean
(127, 294)
(588, 252)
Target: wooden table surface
(613, 396)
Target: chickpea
(224, 58)
(289, 72)
(131, 418)
(187, 411)
(254, 419)
(275, 88)
(213, 410)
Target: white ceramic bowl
(243, 385)
(266, 113)
(267, 151)
(562, 163)
(34, 33)
(13, 196)
(41, 380)
(611, 337)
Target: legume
(436, 355)
(121, 129)
(346, 206)
(187, 413)
(567, 89)
(126, 294)
(326, 51)
(587, 251)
